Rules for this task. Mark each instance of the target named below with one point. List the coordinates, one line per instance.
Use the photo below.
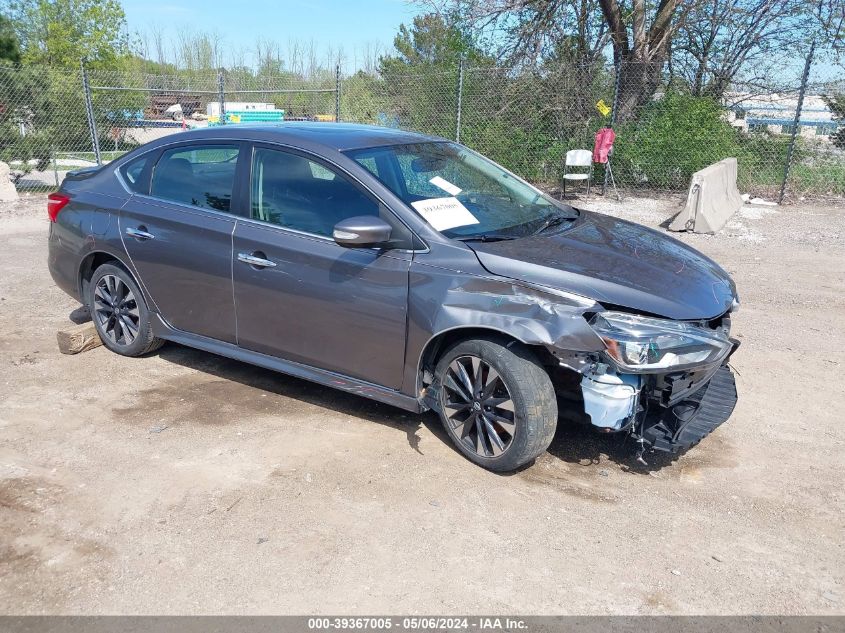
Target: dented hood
(616, 262)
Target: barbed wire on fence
(526, 120)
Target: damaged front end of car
(665, 382)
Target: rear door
(309, 299)
(178, 233)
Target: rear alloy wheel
(116, 310)
(497, 403)
(119, 312)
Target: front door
(302, 297)
(179, 238)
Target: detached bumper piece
(685, 424)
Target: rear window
(200, 176)
(134, 174)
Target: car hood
(619, 263)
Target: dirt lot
(187, 483)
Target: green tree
(432, 41)
(9, 48)
(419, 77)
(61, 32)
(836, 103)
(25, 98)
(640, 34)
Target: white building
(213, 108)
(776, 113)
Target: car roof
(311, 135)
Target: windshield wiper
(555, 220)
(486, 237)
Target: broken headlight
(644, 344)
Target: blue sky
(352, 24)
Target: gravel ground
(187, 483)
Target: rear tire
(120, 313)
(497, 402)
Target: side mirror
(362, 231)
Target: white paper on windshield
(444, 213)
(445, 185)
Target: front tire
(120, 313)
(497, 402)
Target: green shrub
(522, 151)
(674, 137)
(761, 160)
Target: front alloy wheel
(496, 401)
(478, 406)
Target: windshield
(462, 194)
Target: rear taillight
(55, 203)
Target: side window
(201, 175)
(301, 194)
(134, 175)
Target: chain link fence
(526, 120)
(43, 126)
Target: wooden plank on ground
(78, 338)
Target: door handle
(139, 233)
(254, 260)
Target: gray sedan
(403, 268)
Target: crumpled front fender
(441, 301)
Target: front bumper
(687, 421)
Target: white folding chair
(582, 162)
